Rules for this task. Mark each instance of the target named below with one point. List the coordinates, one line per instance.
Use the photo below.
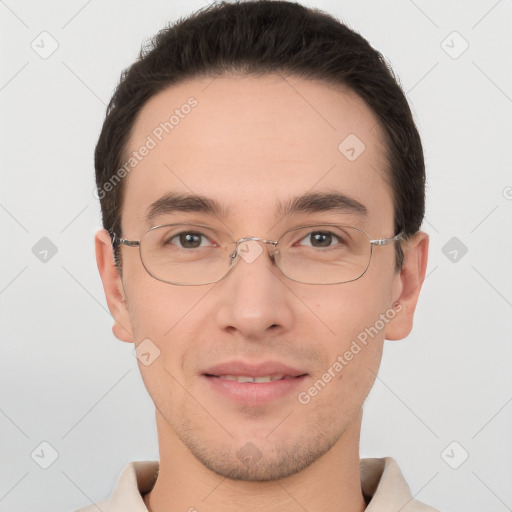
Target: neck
(330, 483)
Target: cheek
(164, 318)
(352, 344)
(352, 319)
(347, 310)
(159, 309)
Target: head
(251, 108)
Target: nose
(253, 299)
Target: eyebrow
(179, 202)
(307, 203)
(322, 202)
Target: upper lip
(262, 369)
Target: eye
(190, 240)
(320, 239)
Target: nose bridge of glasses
(250, 247)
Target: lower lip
(255, 393)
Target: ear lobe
(410, 280)
(112, 286)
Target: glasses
(194, 254)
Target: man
(262, 189)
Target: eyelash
(335, 237)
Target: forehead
(254, 143)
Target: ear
(113, 286)
(408, 284)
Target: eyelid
(211, 240)
(322, 232)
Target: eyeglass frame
(137, 243)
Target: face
(251, 145)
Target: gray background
(65, 379)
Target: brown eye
(190, 240)
(319, 239)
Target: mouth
(248, 378)
(254, 385)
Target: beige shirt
(382, 483)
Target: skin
(249, 143)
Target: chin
(259, 460)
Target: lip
(253, 393)
(253, 370)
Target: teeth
(245, 378)
(263, 379)
(242, 378)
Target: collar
(382, 483)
